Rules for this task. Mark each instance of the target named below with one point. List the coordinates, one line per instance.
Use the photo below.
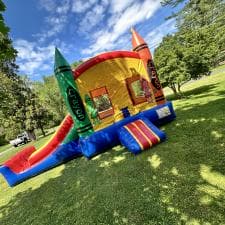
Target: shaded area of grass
(181, 181)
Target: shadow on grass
(205, 89)
(197, 140)
(181, 181)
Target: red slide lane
(29, 155)
(56, 140)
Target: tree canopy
(7, 52)
(198, 42)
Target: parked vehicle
(21, 139)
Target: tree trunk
(173, 87)
(176, 94)
(178, 88)
(179, 91)
(42, 130)
(31, 135)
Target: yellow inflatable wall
(115, 81)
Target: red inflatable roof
(103, 57)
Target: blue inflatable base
(108, 137)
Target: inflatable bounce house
(114, 98)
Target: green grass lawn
(181, 181)
(218, 69)
(5, 147)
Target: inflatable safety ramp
(140, 135)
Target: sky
(80, 29)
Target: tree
(7, 52)
(199, 50)
(32, 114)
(19, 108)
(49, 95)
(8, 102)
(8, 107)
(23, 108)
(7, 97)
(76, 64)
(169, 62)
(196, 46)
(202, 22)
(37, 115)
(8, 77)
(22, 112)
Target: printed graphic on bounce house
(114, 98)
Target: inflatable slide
(30, 161)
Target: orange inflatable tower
(141, 47)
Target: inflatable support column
(140, 135)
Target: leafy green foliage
(173, 3)
(6, 92)
(9, 99)
(7, 52)
(196, 46)
(76, 64)
(21, 109)
(169, 60)
(36, 114)
(8, 77)
(49, 96)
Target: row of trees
(24, 105)
(196, 47)
(8, 76)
